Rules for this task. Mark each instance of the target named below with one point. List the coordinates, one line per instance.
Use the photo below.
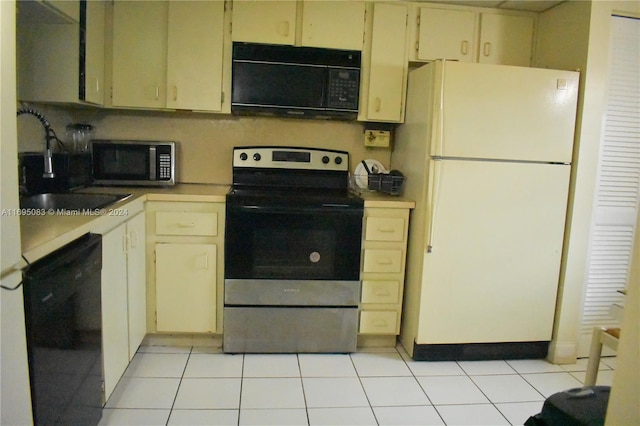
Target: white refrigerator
(486, 150)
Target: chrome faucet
(49, 135)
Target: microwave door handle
(152, 163)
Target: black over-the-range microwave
(133, 162)
(295, 81)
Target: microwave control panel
(164, 163)
(344, 85)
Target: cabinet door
(194, 57)
(505, 39)
(139, 53)
(333, 24)
(264, 21)
(115, 333)
(69, 8)
(136, 282)
(446, 34)
(186, 287)
(388, 72)
(94, 54)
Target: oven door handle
(320, 208)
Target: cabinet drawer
(389, 261)
(186, 223)
(384, 229)
(378, 322)
(374, 291)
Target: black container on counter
(70, 170)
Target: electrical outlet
(377, 138)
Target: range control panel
(290, 158)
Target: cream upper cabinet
(180, 67)
(58, 46)
(69, 8)
(333, 24)
(94, 52)
(505, 39)
(312, 23)
(471, 34)
(194, 57)
(384, 94)
(272, 22)
(446, 34)
(139, 54)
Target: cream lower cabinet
(186, 287)
(186, 269)
(136, 282)
(384, 244)
(123, 298)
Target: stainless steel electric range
(292, 252)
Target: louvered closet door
(618, 185)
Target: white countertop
(41, 235)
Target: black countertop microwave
(293, 81)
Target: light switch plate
(377, 138)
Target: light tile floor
(195, 386)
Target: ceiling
(524, 5)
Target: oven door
(296, 242)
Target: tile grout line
(304, 395)
(179, 384)
(364, 390)
(421, 388)
(241, 383)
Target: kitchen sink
(70, 201)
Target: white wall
(575, 35)
(15, 400)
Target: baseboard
(480, 351)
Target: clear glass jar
(78, 137)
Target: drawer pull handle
(386, 230)
(382, 293)
(385, 262)
(378, 104)
(380, 323)
(186, 224)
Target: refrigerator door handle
(437, 128)
(435, 177)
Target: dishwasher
(64, 333)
